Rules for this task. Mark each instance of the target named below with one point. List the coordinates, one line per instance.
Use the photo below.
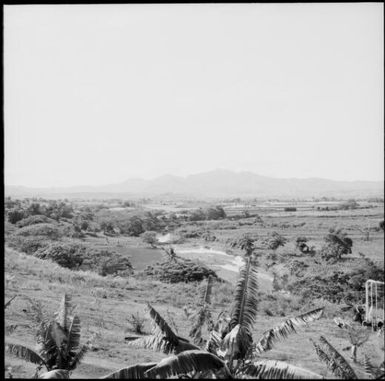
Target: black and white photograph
(193, 190)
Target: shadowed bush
(32, 220)
(179, 271)
(67, 255)
(42, 229)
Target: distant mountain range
(213, 184)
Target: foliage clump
(35, 219)
(179, 271)
(43, 229)
(15, 215)
(69, 255)
(275, 240)
(337, 244)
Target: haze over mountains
(216, 183)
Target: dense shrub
(275, 240)
(34, 209)
(381, 225)
(150, 238)
(132, 227)
(179, 271)
(290, 209)
(115, 265)
(349, 204)
(71, 231)
(16, 215)
(340, 285)
(67, 255)
(29, 244)
(57, 210)
(34, 219)
(337, 243)
(302, 246)
(197, 215)
(43, 229)
(215, 213)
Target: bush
(32, 220)
(67, 255)
(197, 215)
(381, 225)
(215, 213)
(302, 246)
(16, 215)
(150, 238)
(114, 265)
(290, 209)
(350, 204)
(275, 241)
(179, 271)
(337, 243)
(43, 229)
(132, 227)
(137, 323)
(28, 245)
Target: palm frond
(196, 330)
(283, 330)
(7, 304)
(214, 342)
(206, 294)
(63, 312)
(334, 360)
(244, 307)
(58, 334)
(160, 327)
(74, 334)
(161, 344)
(57, 373)
(203, 315)
(275, 370)
(370, 369)
(78, 357)
(186, 362)
(24, 353)
(134, 372)
(374, 372)
(236, 344)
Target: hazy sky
(95, 94)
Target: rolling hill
(216, 183)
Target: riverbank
(226, 266)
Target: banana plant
(230, 353)
(58, 346)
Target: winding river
(226, 265)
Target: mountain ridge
(218, 183)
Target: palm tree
(230, 353)
(58, 342)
